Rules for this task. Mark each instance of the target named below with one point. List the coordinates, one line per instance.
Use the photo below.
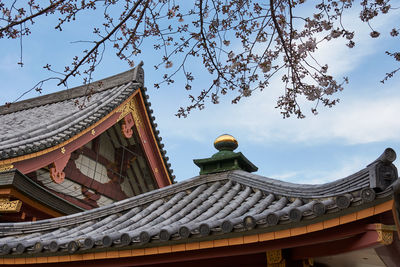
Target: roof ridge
(136, 74)
(302, 190)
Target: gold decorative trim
(131, 107)
(93, 132)
(63, 150)
(6, 167)
(385, 233)
(45, 151)
(385, 237)
(8, 206)
(274, 256)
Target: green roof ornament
(225, 159)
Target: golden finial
(226, 142)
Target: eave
(15, 185)
(134, 103)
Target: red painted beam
(147, 140)
(358, 232)
(360, 241)
(150, 147)
(32, 164)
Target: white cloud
(351, 165)
(359, 119)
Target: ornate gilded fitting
(226, 142)
(6, 167)
(385, 233)
(8, 206)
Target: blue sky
(329, 146)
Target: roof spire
(225, 159)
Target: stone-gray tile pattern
(222, 204)
(36, 124)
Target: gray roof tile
(42, 122)
(219, 203)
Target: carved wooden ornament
(274, 256)
(10, 206)
(57, 169)
(127, 125)
(385, 237)
(6, 167)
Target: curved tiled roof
(218, 204)
(36, 124)
(37, 128)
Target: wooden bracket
(127, 125)
(385, 233)
(57, 169)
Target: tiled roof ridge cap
(240, 173)
(341, 186)
(136, 75)
(365, 177)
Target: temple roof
(41, 195)
(43, 122)
(212, 206)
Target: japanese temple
(80, 149)
(84, 179)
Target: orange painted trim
(250, 239)
(331, 223)
(178, 248)
(59, 146)
(298, 231)
(164, 249)
(266, 236)
(235, 241)
(5, 192)
(383, 207)
(348, 218)
(386, 206)
(365, 213)
(220, 243)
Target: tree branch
(41, 12)
(100, 42)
